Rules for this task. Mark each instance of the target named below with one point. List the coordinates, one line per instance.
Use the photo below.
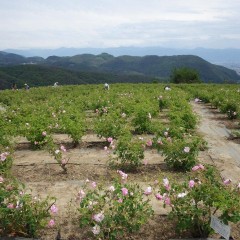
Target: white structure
(55, 84)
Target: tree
(185, 75)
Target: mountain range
(89, 68)
(217, 56)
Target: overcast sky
(113, 23)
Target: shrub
(20, 213)
(193, 202)
(130, 153)
(113, 212)
(5, 160)
(181, 154)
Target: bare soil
(39, 171)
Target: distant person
(167, 88)
(26, 87)
(55, 84)
(14, 86)
(106, 86)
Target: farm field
(65, 142)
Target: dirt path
(224, 153)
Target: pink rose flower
(149, 143)
(110, 139)
(123, 175)
(167, 201)
(195, 168)
(120, 200)
(51, 223)
(191, 183)
(227, 181)
(159, 196)
(201, 166)
(148, 191)
(81, 195)
(10, 205)
(44, 133)
(124, 191)
(63, 148)
(98, 217)
(54, 209)
(94, 184)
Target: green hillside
(36, 75)
(153, 66)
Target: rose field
(132, 162)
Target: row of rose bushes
(224, 97)
(121, 113)
(122, 208)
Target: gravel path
(224, 153)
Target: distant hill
(36, 75)
(217, 56)
(105, 67)
(153, 65)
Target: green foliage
(130, 153)
(111, 125)
(181, 154)
(20, 213)
(185, 75)
(6, 159)
(194, 201)
(114, 212)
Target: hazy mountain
(152, 65)
(217, 56)
(141, 69)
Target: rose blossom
(96, 229)
(54, 208)
(123, 175)
(44, 133)
(191, 183)
(227, 181)
(63, 148)
(181, 195)
(124, 191)
(51, 223)
(148, 191)
(167, 201)
(98, 217)
(159, 196)
(186, 149)
(10, 205)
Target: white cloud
(107, 23)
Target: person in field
(106, 86)
(26, 87)
(14, 86)
(167, 88)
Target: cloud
(107, 23)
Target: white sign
(219, 227)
